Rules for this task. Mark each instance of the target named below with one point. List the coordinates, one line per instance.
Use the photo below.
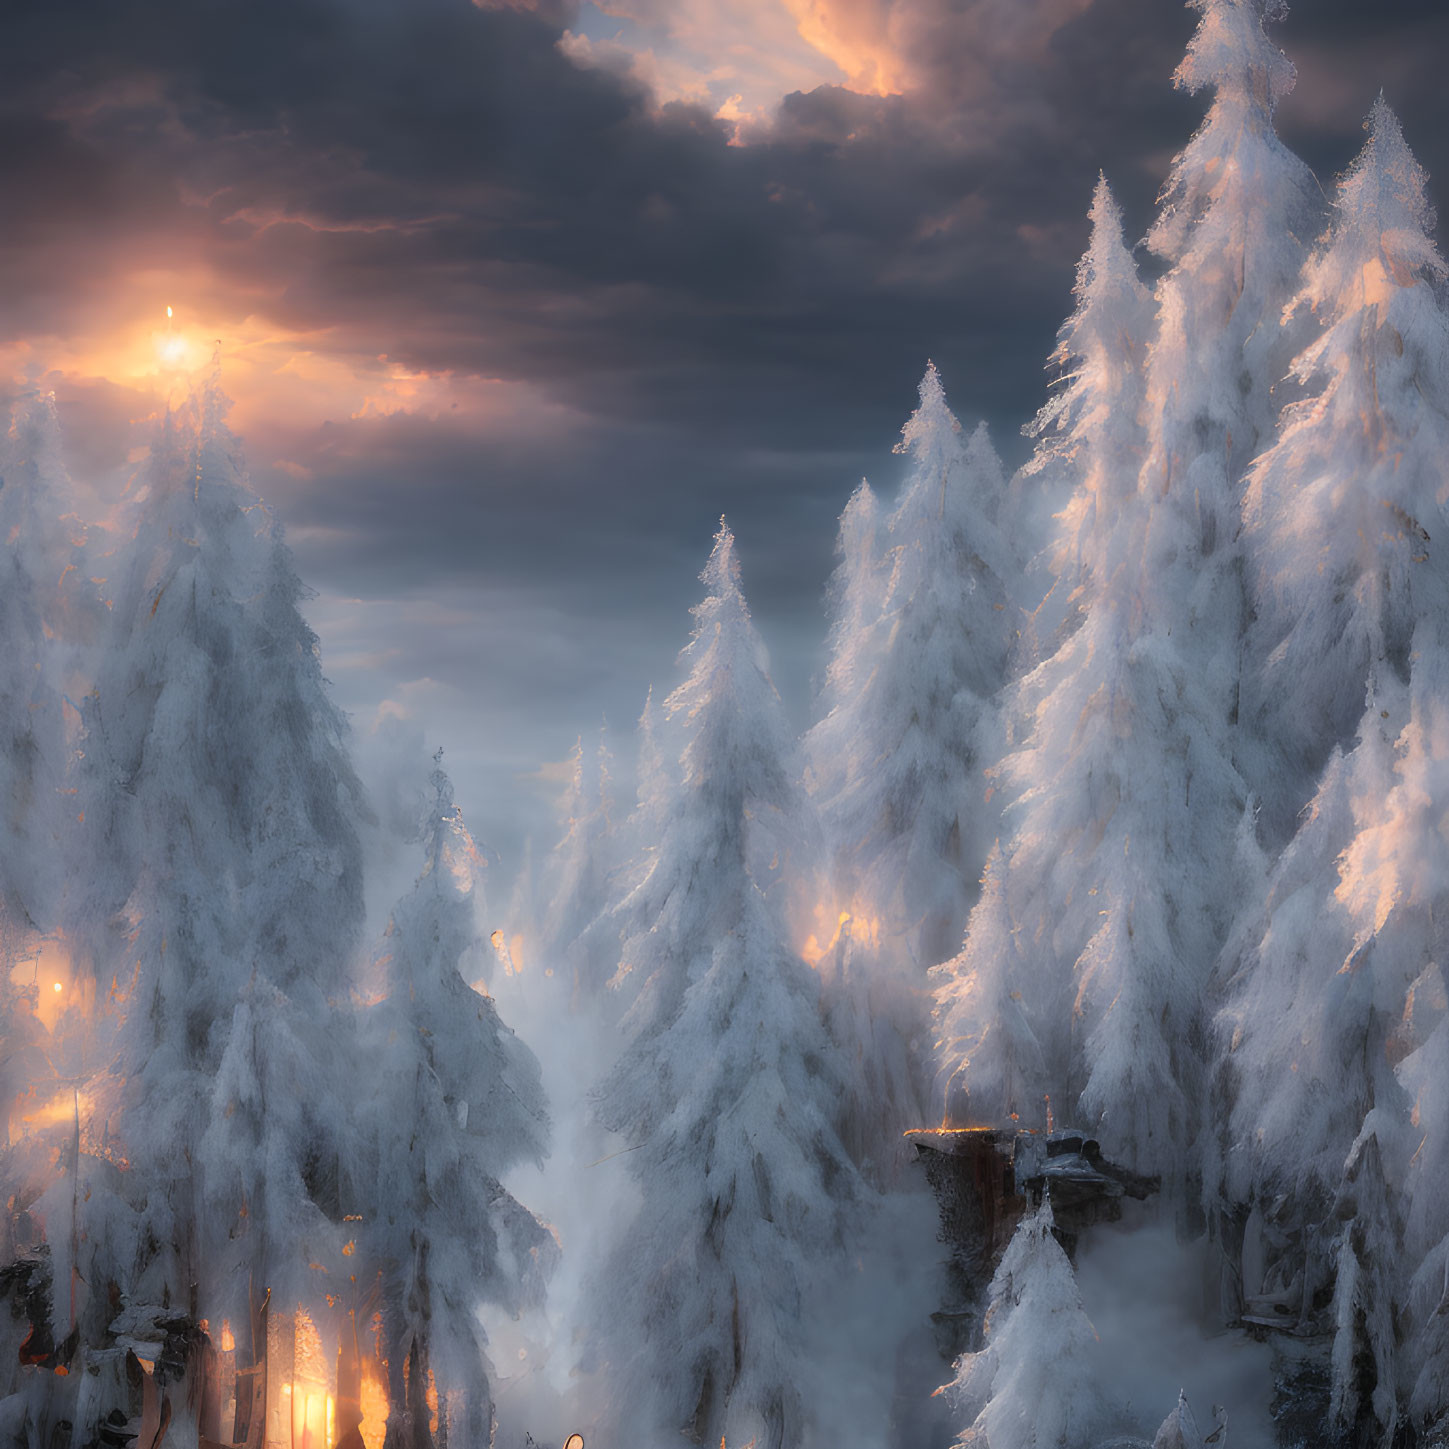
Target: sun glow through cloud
(286, 386)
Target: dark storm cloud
(460, 190)
(730, 327)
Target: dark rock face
(984, 1179)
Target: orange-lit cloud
(856, 36)
(741, 57)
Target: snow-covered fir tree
(218, 873)
(1424, 1354)
(1037, 1382)
(1363, 1406)
(854, 594)
(874, 1003)
(1339, 513)
(1103, 912)
(1092, 433)
(35, 553)
(726, 1091)
(1002, 1002)
(994, 1065)
(1329, 1024)
(899, 757)
(1179, 1430)
(1300, 1023)
(1237, 214)
(461, 1103)
(1395, 879)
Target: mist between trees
(1136, 829)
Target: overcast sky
(515, 300)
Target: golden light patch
(854, 38)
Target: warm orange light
(313, 1416)
(852, 41)
(374, 1411)
(49, 962)
(509, 952)
(173, 350)
(857, 925)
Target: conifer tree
(219, 869)
(32, 770)
(1427, 1330)
(725, 1093)
(1363, 1405)
(1425, 1354)
(871, 986)
(1324, 1035)
(1105, 911)
(1307, 1073)
(996, 1069)
(1339, 513)
(854, 595)
(34, 553)
(1236, 216)
(1299, 1021)
(899, 757)
(1092, 433)
(1179, 1429)
(1395, 878)
(1035, 1384)
(461, 1103)
(653, 780)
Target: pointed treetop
(721, 575)
(859, 520)
(441, 807)
(853, 589)
(928, 429)
(1104, 211)
(1099, 345)
(1179, 1430)
(1386, 191)
(1045, 1220)
(1034, 1230)
(735, 720)
(980, 453)
(1108, 289)
(648, 729)
(1231, 54)
(723, 608)
(1106, 265)
(446, 838)
(652, 774)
